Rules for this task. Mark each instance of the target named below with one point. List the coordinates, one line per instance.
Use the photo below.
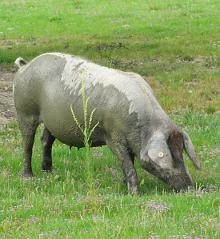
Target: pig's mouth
(179, 181)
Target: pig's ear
(175, 143)
(190, 150)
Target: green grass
(62, 205)
(175, 45)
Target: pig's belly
(56, 115)
(63, 127)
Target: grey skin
(131, 122)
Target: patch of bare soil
(7, 109)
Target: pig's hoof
(27, 175)
(47, 169)
(133, 190)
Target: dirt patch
(7, 109)
(105, 47)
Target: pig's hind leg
(28, 125)
(47, 141)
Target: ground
(7, 109)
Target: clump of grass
(86, 128)
(210, 109)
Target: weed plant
(86, 128)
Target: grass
(61, 204)
(175, 45)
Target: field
(175, 46)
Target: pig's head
(163, 158)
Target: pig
(131, 122)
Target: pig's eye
(155, 153)
(160, 154)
